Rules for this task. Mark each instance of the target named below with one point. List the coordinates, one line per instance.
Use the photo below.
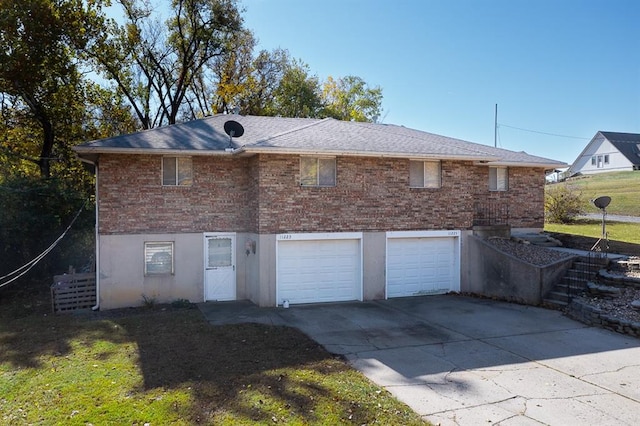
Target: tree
(351, 99)
(156, 67)
(39, 44)
(298, 93)
(233, 73)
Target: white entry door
(220, 267)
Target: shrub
(562, 203)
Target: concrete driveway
(464, 361)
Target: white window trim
(175, 157)
(424, 173)
(497, 188)
(151, 273)
(318, 158)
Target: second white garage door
(422, 265)
(323, 270)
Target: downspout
(97, 306)
(97, 233)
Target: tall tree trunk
(47, 148)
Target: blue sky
(566, 67)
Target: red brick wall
(263, 194)
(373, 195)
(133, 200)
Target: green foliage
(562, 204)
(34, 214)
(350, 99)
(40, 46)
(298, 93)
(160, 68)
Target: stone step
(579, 273)
(573, 289)
(595, 260)
(557, 296)
(574, 282)
(554, 304)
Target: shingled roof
(305, 136)
(627, 143)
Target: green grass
(622, 187)
(172, 367)
(618, 231)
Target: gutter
(479, 160)
(522, 164)
(376, 154)
(83, 151)
(97, 305)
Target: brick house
(298, 210)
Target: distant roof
(627, 143)
(327, 136)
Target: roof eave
(550, 165)
(85, 151)
(378, 154)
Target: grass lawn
(172, 367)
(622, 187)
(618, 231)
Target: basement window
(158, 258)
(425, 174)
(498, 178)
(177, 171)
(317, 171)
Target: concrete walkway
(611, 217)
(464, 361)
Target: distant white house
(608, 152)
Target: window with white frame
(177, 171)
(317, 171)
(158, 258)
(593, 160)
(498, 178)
(425, 174)
(606, 159)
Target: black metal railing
(490, 213)
(585, 270)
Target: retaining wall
(497, 274)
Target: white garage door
(311, 271)
(418, 266)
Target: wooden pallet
(73, 291)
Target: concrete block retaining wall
(595, 317)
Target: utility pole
(495, 129)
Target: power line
(542, 133)
(29, 265)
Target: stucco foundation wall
(493, 273)
(122, 280)
(374, 247)
(263, 282)
(465, 279)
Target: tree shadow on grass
(233, 368)
(244, 372)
